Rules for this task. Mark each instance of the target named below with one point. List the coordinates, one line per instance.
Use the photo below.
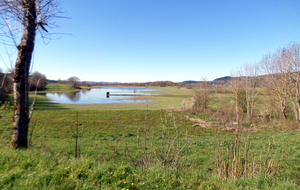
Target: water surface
(99, 96)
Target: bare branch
(19, 22)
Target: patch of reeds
(235, 156)
(171, 147)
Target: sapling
(77, 135)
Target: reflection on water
(74, 97)
(99, 96)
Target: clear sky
(151, 40)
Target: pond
(99, 96)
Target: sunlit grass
(109, 153)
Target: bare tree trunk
(296, 109)
(283, 109)
(20, 76)
(237, 110)
(294, 92)
(236, 85)
(249, 116)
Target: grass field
(56, 87)
(138, 146)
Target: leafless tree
(38, 81)
(236, 85)
(277, 72)
(20, 20)
(293, 59)
(201, 95)
(250, 82)
(75, 81)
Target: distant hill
(190, 81)
(107, 82)
(51, 81)
(226, 78)
(103, 82)
(216, 81)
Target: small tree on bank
(74, 81)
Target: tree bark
(20, 76)
(283, 111)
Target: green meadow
(144, 146)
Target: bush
(6, 86)
(37, 81)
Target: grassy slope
(55, 87)
(109, 154)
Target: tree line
(36, 80)
(275, 78)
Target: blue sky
(176, 40)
